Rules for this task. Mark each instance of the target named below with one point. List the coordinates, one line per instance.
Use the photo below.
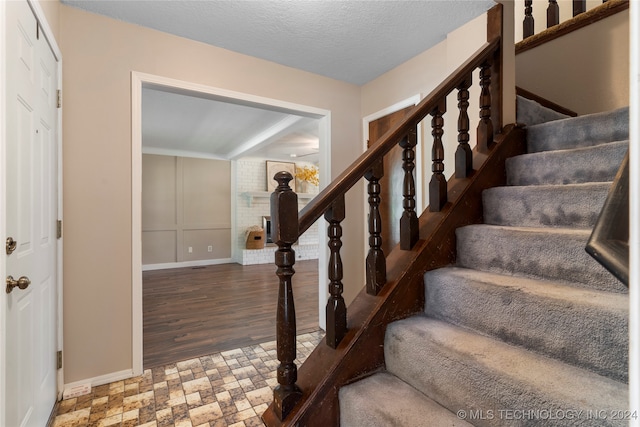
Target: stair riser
(596, 164)
(592, 334)
(554, 255)
(576, 206)
(580, 131)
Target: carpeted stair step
(530, 112)
(545, 253)
(575, 205)
(581, 131)
(597, 163)
(584, 327)
(470, 375)
(382, 400)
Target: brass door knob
(22, 283)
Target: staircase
(526, 329)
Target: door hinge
(59, 359)
(59, 229)
(59, 101)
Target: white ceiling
(187, 125)
(349, 40)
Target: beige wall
(51, 9)
(99, 55)
(186, 203)
(586, 71)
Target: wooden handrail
(347, 179)
(288, 227)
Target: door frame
(48, 33)
(138, 80)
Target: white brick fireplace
(253, 203)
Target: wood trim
(582, 20)
(361, 351)
(545, 102)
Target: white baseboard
(199, 263)
(102, 379)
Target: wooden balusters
(553, 13)
(376, 265)
(527, 24)
(409, 228)
(485, 127)
(579, 6)
(336, 308)
(464, 157)
(284, 216)
(438, 183)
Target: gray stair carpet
(526, 328)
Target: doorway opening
(141, 82)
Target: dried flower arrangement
(308, 174)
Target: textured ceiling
(350, 40)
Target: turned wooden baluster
(553, 13)
(485, 127)
(438, 183)
(336, 308)
(527, 24)
(376, 265)
(284, 217)
(579, 6)
(409, 228)
(464, 157)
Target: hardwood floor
(191, 312)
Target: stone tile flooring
(228, 389)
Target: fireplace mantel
(250, 195)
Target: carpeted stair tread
(598, 163)
(382, 400)
(581, 131)
(545, 253)
(465, 371)
(530, 112)
(575, 205)
(584, 327)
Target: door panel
(31, 212)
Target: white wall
(634, 200)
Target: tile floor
(228, 389)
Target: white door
(31, 206)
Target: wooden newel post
(336, 308)
(284, 217)
(376, 264)
(409, 228)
